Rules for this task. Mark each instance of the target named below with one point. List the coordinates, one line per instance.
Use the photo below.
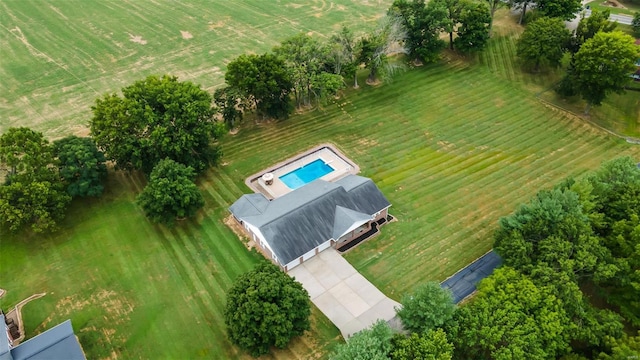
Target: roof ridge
(314, 199)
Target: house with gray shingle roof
(295, 227)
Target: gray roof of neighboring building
(58, 342)
(4, 341)
(305, 218)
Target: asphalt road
(620, 18)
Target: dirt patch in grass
(137, 39)
(613, 4)
(446, 145)
(186, 35)
(238, 230)
(217, 24)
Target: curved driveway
(349, 300)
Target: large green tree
(264, 83)
(307, 62)
(432, 345)
(550, 236)
(343, 54)
(81, 165)
(623, 348)
(423, 24)
(373, 343)
(32, 195)
(378, 44)
(614, 199)
(562, 9)
(635, 24)
(427, 308)
(171, 193)
(229, 105)
(27, 156)
(543, 43)
(157, 118)
(473, 32)
(453, 11)
(588, 27)
(266, 307)
(603, 64)
(39, 205)
(511, 318)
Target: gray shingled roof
(4, 341)
(58, 342)
(345, 218)
(305, 218)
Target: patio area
(328, 153)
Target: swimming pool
(306, 174)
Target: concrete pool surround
(327, 153)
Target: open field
(454, 146)
(59, 56)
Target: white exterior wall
(260, 238)
(324, 246)
(309, 255)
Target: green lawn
(454, 146)
(629, 7)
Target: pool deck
(342, 166)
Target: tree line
(160, 126)
(569, 245)
(600, 58)
(170, 129)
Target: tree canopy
(615, 214)
(157, 118)
(603, 65)
(543, 43)
(81, 165)
(263, 82)
(32, 195)
(511, 318)
(432, 345)
(376, 45)
(266, 307)
(171, 193)
(635, 24)
(551, 231)
(453, 11)
(423, 24)
(473, 32)
(373, 343)
(588, 27)
(562, 9)
(343, 54)
(306, 60)
(27, 155)
(427, 308)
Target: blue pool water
(306, 174)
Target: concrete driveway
(349, 300)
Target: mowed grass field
(454, 146)
(59, 56)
